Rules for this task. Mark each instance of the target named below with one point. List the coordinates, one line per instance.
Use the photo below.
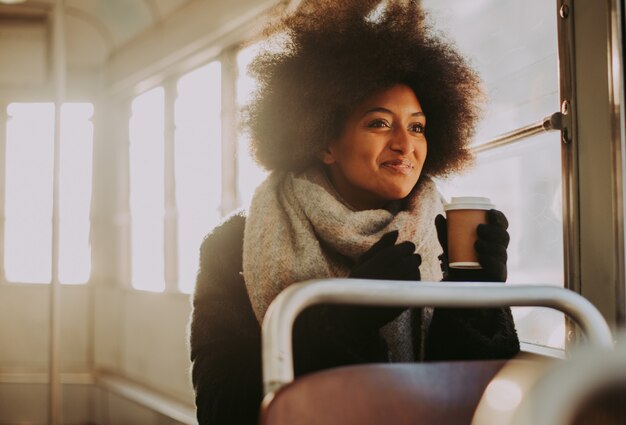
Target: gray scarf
(298, 228)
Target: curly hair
(334, 55)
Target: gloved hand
(491, 245)
(386, 260)
(333, 335)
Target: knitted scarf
(299, 228)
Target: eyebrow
(387, 111)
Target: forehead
(397, 98)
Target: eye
(417, 128)
(378, 123)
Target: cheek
(360, 167)
(361, 157)
(422, 151)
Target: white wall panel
(108, 323)
(194, 29)
(155, 342)
(143, 336)
(86, 47)
(23, 53)
(27, 403)
(24, 326)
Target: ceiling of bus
(95, 28)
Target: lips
(401, 166)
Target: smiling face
(381, 151)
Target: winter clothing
(225, 333)
(298, 228)
(302, 225)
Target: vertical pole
(230, 194)
(123, 218)
(59, 71)
(3, 146)
(171, 211)
(569, 156)
(618, 131)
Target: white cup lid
(469, 203)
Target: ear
(327, 156)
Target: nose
(401, 142)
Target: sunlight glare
(198, 166)
(75, 192)
(28, 192)
(146, 152)
(503, 394)
(249, 173)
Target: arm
(225, 335)
(326, 336)
(475, 333)
(329, 335)
(471, 334)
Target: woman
(356, 111)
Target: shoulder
(227, 234)
(221, 256)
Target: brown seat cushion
(389, 394)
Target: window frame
(40, 94)
(595, 162)
(230, 199)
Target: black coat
(226, 337)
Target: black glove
(385, 260)
(334, 335)
(491, 245)
(474, 333)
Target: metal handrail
(278, 322)
(549, 123)
(59, 62)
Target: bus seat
(399, 394)
(390, 394)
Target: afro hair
(335, 54)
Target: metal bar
(170, 234)
(618, 130)
(552, 122)
(569, 155)
(59, 61)
(278, 322)
(3, 164)
(229, 75)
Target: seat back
(424, 393)
(278, 322)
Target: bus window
(28, 201)
(513, 46)
(146, 158)
(198, 165)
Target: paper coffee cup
(463, 215)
